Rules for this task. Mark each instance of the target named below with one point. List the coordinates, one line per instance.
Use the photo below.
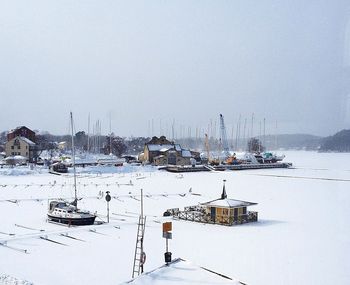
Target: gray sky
(185, 60)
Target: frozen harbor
(302, 237)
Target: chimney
(223, 195)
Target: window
(18, 147)
(225, 212)
(12, 147)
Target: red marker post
(167, 234)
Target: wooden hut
(221, 211)
(229, 211)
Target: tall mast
(110, 132)
(252, 130)
(73, 157)
(260, 136)
(244, 137)
(264, 136)
(238, 133)
(276, 136)
(88, 141)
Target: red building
(21, 132)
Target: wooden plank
(13, 248)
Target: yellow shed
(229, 211)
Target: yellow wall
(23, 150)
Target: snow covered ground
(302, 237)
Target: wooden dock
(200, 168)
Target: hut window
(225, 212)
(236, 212)
(244, 210)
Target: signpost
(167, 234)
(108, 199)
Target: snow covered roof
(230, 203)
(28, 141)
(178, 147)
(16, 157)
(18, 128)
(186, 153)
(182, 272)
(164, 149)
(158, 147)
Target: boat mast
(110, 134)
(73, 157)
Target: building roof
(182, 272)
(160, 140)
(178, 147)
(164, 149)
(28, 141)
(229, 203)
(158, 147)
(17, 128)
(186, 153)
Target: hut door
(212, 213)
(235, 215)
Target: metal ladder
(138, 263)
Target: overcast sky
(186, 61)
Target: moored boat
(68, 213)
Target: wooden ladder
(138, 262)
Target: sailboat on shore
(68, 213)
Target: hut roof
(229, 203)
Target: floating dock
(179, 169)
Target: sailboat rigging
(68, 213)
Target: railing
(197, 214)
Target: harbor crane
(224, 136)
